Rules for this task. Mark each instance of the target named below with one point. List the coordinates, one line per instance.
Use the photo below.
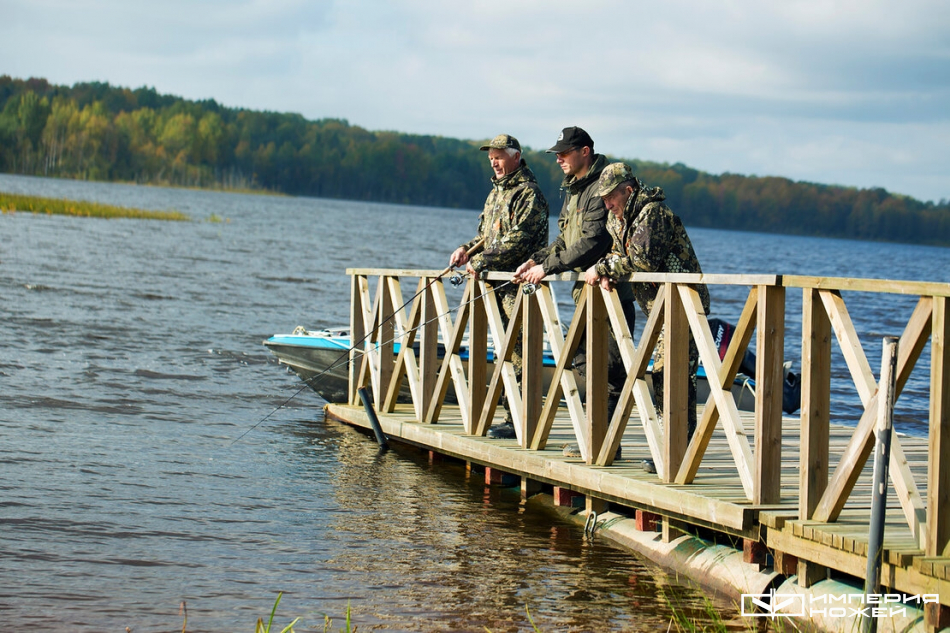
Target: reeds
(11, 203)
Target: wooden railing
(822, 495)
(677, 310)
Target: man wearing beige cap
(647, 237)
(513, 224)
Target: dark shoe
(648, 466)
(502, 432)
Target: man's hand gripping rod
(457, 279)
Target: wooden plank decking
(796, 487)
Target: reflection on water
(133, 360)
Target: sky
(850, 92)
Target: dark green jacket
(582, 226)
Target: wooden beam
(676, 378)
(636, 384)
(595, 427)
(452, 367)
(919, 288)
(532, 369)
(357, 333)
(722, 398)
(567, 383)
(503, 377)
(816, 403)
(938, 477)
(624, 337)
(769, 382)
(477, 355)
(563, 379)
(859, 447)
(405, 365)
(850, 344)
(428, 352)
(384, 336)
(735, 429)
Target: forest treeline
(96, 131)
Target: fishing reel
(529, 289)
(457, 279)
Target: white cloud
(845, 91)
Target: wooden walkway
(796, 491)
(715, 500)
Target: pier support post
(496, 477)
(567, 497)
(646, 521)
(673, 529)
(809, 573)
(754, 553)
(593, 504)
(529, 487)
(936, 616)
(786, 564)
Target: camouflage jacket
(649, 238)
(514, 222)
(582, 226)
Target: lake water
(132, 361)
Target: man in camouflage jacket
(647, 237)
(514, 220)
(513, 225)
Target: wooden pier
(795, 490)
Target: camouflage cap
(613, 175)
(502, 141)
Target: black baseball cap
(570, 138)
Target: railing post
(596, 396)
(675, 388)
(938, 476)
(429, 364)
(532, 355)
(816, 403)
(384, 336)
(477, 354)
(769, 378)
(357, 333)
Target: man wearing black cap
(582, 239)
(513, 224)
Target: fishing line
(345, 355)
(456, 280)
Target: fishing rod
(344, 357)
(456, 280)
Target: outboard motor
(722, 332)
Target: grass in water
(11, 203)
